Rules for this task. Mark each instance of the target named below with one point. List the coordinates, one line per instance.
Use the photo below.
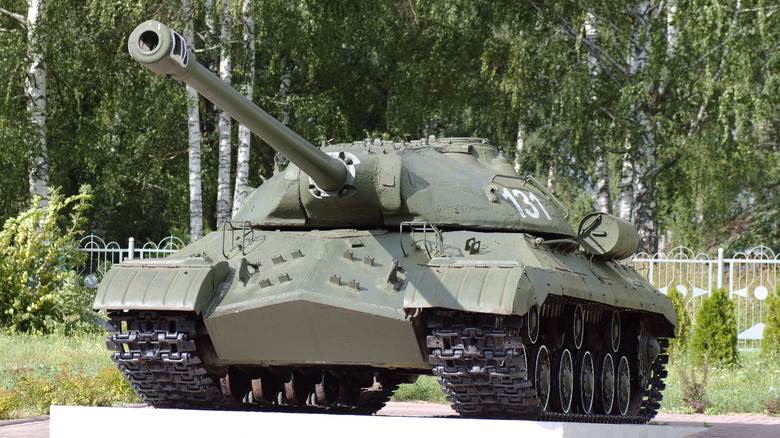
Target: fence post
(130, 248)
(650, 274)
(720, 268)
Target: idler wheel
(606, 383)
(564, 381)
(543, 376)
(296, 390)
(349, 395)
(326, 391)
(623, 386)
(264, 389)
(586, 381)
(532, 326)
(614, 331)
(578, 326)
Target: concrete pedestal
(87, 422)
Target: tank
(361, 266)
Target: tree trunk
(644, 201)
(35, 89)
(645, 158)
(211, 22)
(223, 172)
(244, 134)
(519, 145)
(626, 196)
(601, 168)
(603, 195)
(284, 91)
(193, 128)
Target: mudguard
(508, 287)
(185, 284)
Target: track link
(157, 353)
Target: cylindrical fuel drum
(609, 236)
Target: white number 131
(528, 199)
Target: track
(482, 362)
(159, 353)
(482, 367)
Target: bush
(773, 406)
(693, 390)
(715, 331)
(35, 393)
(683, 321)
(40, 289)
(426, 388)
(770, 344)
(9, 402)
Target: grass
(744, 388)
(37, 371)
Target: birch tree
(35, 92)
(244, 134)
(225, 140)
(193, 136)
(601, 167)
(36, 101)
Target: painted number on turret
(528, 198)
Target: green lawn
(37, 371)
(741, 389)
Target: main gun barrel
(164, 51)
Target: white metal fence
(101, 255)
(750, 277)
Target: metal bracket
(473, 245)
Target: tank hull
(335, 300)
(327, 298)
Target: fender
(183, 284)
(484, 286)
(510, 288)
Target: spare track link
(157, 354)
(482, 370)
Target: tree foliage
(696, 114)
